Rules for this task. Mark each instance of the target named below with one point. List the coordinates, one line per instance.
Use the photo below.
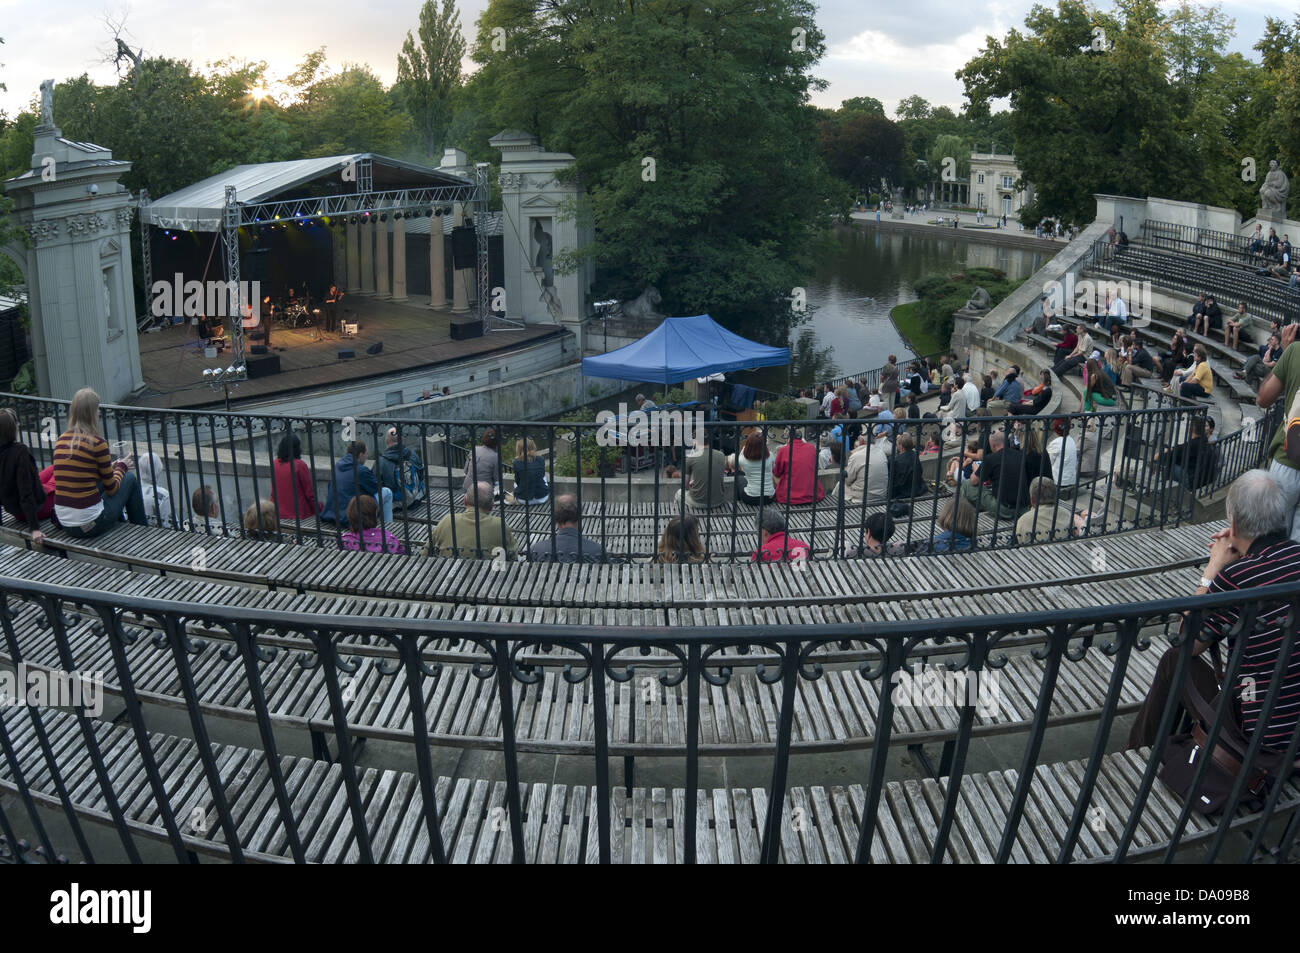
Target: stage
(414, 336)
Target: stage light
(383, 217)
(397, 216)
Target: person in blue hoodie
(352, 478)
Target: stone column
(340, 257)
(437, 266)
(399, 260)
(354, 259)
(367, 234)
(382, 274)
(461, 277)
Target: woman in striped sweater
(90, 493)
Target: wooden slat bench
(819, 824)
(300, 569)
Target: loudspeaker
(464, 248)
(263, 366)
(375, 348)
(255, 265)
(464, 330)
(345, 353)
(257, 349)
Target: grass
(907, 321)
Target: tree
(1278, 98)
(428, 73)
(864, 149)
(347, 112)
(867, 105)
(1136, 102)
(693, 136)
(913, 107)
(10, 233)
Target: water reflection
(851, 295)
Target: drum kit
(293, 312)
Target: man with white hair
(1253, 551)
(473, 533)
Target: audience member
(473, 533)
(399, 466)
(530, 475)
(704, 470)
(292, 487)
(998, 483)
(364, 531)
(906, 479)
(485, 465)
(795, 470)
(1232, 327)
(680, 542)
(352, 478)
(22, 493)
(1198, 380)
(1046, 519)
(1252, 551)
(956, 525)
(1259, 366)
(567, 545)
(876, 531)
(774, 542)
(92, 494)
(754, 481)
(260, 521)
(1284, 384)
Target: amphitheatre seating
(1265, 297)
(559, 821)
(383, 576)
(464, 711)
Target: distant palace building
(993, 178)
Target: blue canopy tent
(682, 348)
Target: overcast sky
(882, 48)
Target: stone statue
(543, 260)
(1273, 193)
(47, 102)
(979, 301)
(643, 307)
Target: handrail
(233, 453)
(1113, 631)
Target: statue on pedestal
(979, 301)
(1273, 193)
(47, 102)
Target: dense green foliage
(938, 296)
(1141, 101)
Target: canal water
(847, 328)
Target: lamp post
(225, 378)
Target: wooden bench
(559, 822)
(377, 575)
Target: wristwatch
(1205, 583)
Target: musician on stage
(332, 308)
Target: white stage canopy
(198, 207)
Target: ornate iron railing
(597, 659)
(626, 495)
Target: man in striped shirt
(1253, 551)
